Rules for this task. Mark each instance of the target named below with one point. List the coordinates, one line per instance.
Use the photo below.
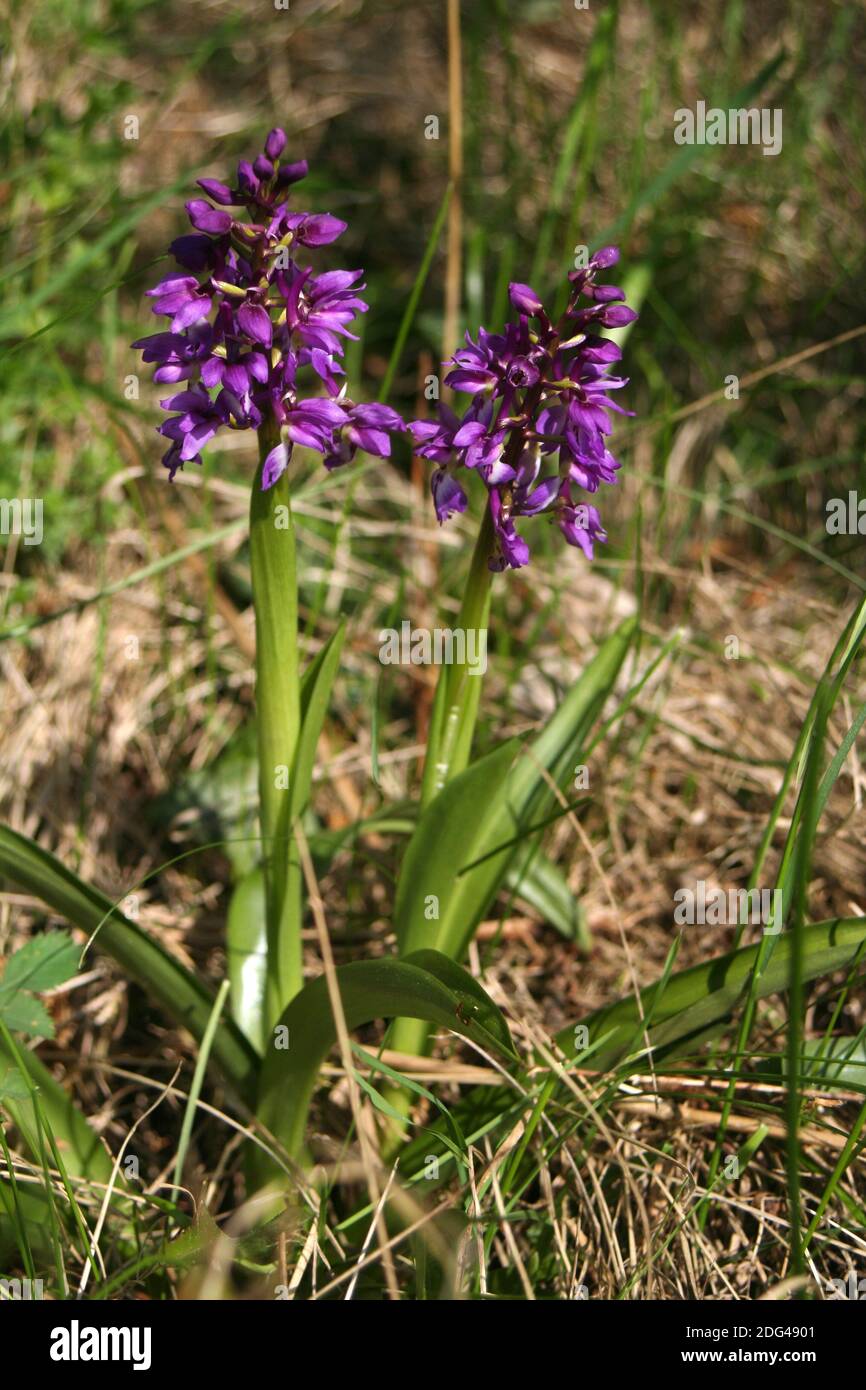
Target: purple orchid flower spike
(538, 420)
(245, 316)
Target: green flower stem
(458, 691)
(274, 578)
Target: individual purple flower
(197, 423)
(182, 299)
(245, 317)
(524, 298)
(581, 525)
(448, 495)
(538, 421)
(208, 219)
(275, 143)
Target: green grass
(741, 262)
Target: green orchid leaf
(369, 990)
(84, 1153)
(12, 1085)
(451, 833)
(699, 999)
(543, 886)
(481, 816)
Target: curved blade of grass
(316, 684)
(415, 295)
(198, 1078)
(837, 668)
(186, 1000)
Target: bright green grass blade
(197, 1080)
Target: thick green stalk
(458, 691)
(273, 565)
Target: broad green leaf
(185, 999)
(44, 961)
(34, 1210)
(451, 833)
(490, 814)
(369, 989)
(23, 1014)
(482, 818)
(839, 1060)
(706, 995)
(540, 883)
(474, 1001)
(246, 944)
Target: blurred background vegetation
(740, 262)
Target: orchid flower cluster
(540, 393)
(245, 317)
